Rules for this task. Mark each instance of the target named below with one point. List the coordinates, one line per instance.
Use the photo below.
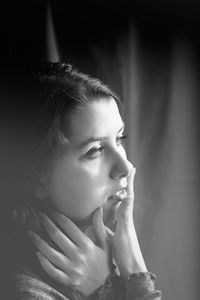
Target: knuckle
(77, 278)
(79, 271)
(89, 247)
(53, 256)
(82, 258)
(75, 282)
(55, 234)
(65, 261)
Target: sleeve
(28, 288)
(138, 286)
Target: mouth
(111, 207)
(118, 196)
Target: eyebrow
(96, 139)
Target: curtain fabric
(161, 113)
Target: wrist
(133, 263)
(132, 269)
(95, 282)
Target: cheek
(76, 190)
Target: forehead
(97, 119)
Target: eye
(94, 152)
(121, 139)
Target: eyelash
(94, 152)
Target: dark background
(78, 24)
(81, 28)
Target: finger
(52, 271)
(130, 182)
(53, 255)
(99, 228)
(72, 231)
(125, 213)
(64, 243)
(109, 233)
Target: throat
(83, 224)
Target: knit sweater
(138, 286)
(32, 283)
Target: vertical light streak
(52, 46)
(128, 56)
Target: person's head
(83, 161)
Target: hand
(124, 241)
(81, 264)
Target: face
(93, 165)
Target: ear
(41, 188)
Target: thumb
(125, 214)
(109, 233)
(99, 228)
(125, 211)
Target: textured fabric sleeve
(109, 291)
(29, 288)
(140, 286)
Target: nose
(121, 167)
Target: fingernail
(41, 216)
(39, 255)
(32, 236)
(43, 219)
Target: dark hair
(63, 91)
(58, 91)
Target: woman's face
(93, 165)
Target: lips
(121, 194)
(118, 196)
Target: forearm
(134, 260)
